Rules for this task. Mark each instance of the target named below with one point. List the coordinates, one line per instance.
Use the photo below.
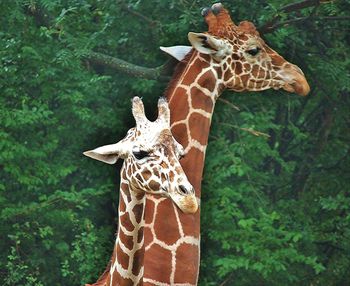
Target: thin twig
(226, 280)
(272, 25)
(229, 103)
(126, 8)
(299, 5)
(284, 23)
(251, 131)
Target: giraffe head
(241, 59)
(151, 157)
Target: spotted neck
(126, 267)
(192, 99)
(191, 95)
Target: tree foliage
(275, 205)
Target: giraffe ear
(178, 52)
(209, 45)
(108, 154)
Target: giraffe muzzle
(299, 84)
(184, 198)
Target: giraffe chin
(187, 204)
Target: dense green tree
(276, 201)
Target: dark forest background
(276, 198)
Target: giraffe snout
(183, 195)
(300, 85)
(295, 80)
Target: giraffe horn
(163, 111)
(222, 19)
(138, 110)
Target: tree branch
(126, 67)
(300, 5)
(160, 73)
(272, 25)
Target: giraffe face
(151, 158)
(241, 59)
(154, 166)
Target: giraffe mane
(179, 69)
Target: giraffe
(228, 56)
(151, 165)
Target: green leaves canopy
(275, 207)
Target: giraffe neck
(191, 95)
(192, 101)
(127, 261)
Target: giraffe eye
(254, 51)
(140, 154)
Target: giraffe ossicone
(151, 165)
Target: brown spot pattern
(155, 256)
(154, 185)
(125, 221)
(147, 174)
(123, 258)
(181, 103)
(140, 235)
(192, 73)
(188, 266)
(161, 225)
(138, 261)
(121, 281)
(126, 240)
(255, 70)
(148, 236)
(200, 100)
(238, 69)
(180, 134)
(200, 128)
(171, 176)
(137, 210)
(207, 80)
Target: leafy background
(276, 204)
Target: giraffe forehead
(154, 137)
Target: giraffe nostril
(183, 190)
(205, 11)
(216, 8)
